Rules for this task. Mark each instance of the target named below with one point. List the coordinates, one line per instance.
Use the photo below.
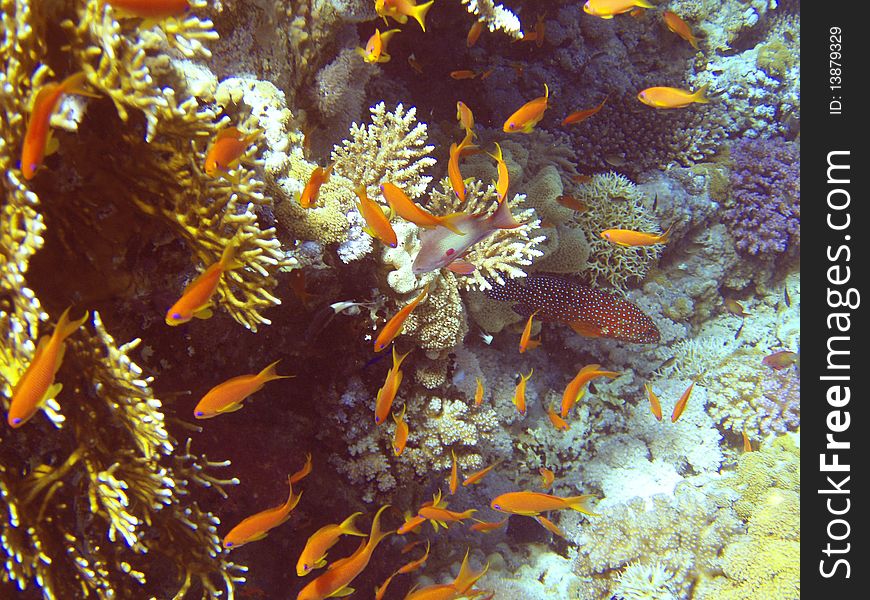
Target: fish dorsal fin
(229, 132)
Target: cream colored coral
(439, 323)
(495, 16)
(392, 148)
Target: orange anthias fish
(387, 393)
(400, 437)
(377, 223)
(478, 393)
(394, 325)
(415, 64)
(582, 115)
(519, 398)
(228, 147)
(654, 404)
(376, 48)
(413, 565)
(478, 475)
(459, 588)
(628, 238)
(780, 359)
(547, 477)
(607, 9)
(572, 203)
(668, 97)
(38, 140)
(314, 554)
(37, 384)
(531, 504)
(525, 342)
(437, 513)
(528, 115)
(576, 387)
(463, 74)
(304, 471)
(473, 34)
(411, 545)
(453, 171)
(503, 183)
(558, 422)
(465, 117)
(229, 395)
(735, 308)
(196, 301)
(336, 581)
(151, 9)
(257, 526)
(589, 311)
(680, 406)
(381, 590)
(413, 212)
(319, 176)
(454, 474)
(488, 526)
(747, 445)
(400, 10)
(680, 27)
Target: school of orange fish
(445, 239)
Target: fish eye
(176, 316)
(16, 421)
(450, 252)
(512, 125)
(304, 567)
(497, 506)
(377, 419)
(228, 544)
(198, 413)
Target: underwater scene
(400, 299)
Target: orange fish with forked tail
(37, 384)
(394, 325)
(151, 9)
(628, 238)
(680, 406)
(337, 578)
(582, 115)
(318, 177)
(314, 554)
(437, 514)
(400, 437)
(528, 115)
(607, 9)
(226, 151)
(377, 223)
(531, 504)
(387, 393)
(38, 140)
(229, 395)
(413, 212)
(400, 10)
(668, 97)
(576, 387)
(458, 588)
(257, 526)
(680, 27)
(376, 47)
(196, 300)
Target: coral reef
(764, 208)
(495, 16)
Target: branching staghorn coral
(495, 16)
(85, 521)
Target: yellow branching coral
(85, 523)
(615, 203)
(501, 254)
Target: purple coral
(765, 211)
(780, 405)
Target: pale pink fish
(440, 247)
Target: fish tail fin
(77, 84)
(643, 4)
(498, 155)
(292, 500)
(666, 236)
(467, 577)
(65, 327)
(546, 92)
(419, 13)
(502, 218)
(448, 221)
(701, 95)
(269, 374)
(377, 535)
(228, 260)
(348, 528)
(581, 504)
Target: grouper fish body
(440, 246)
(587, 310)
